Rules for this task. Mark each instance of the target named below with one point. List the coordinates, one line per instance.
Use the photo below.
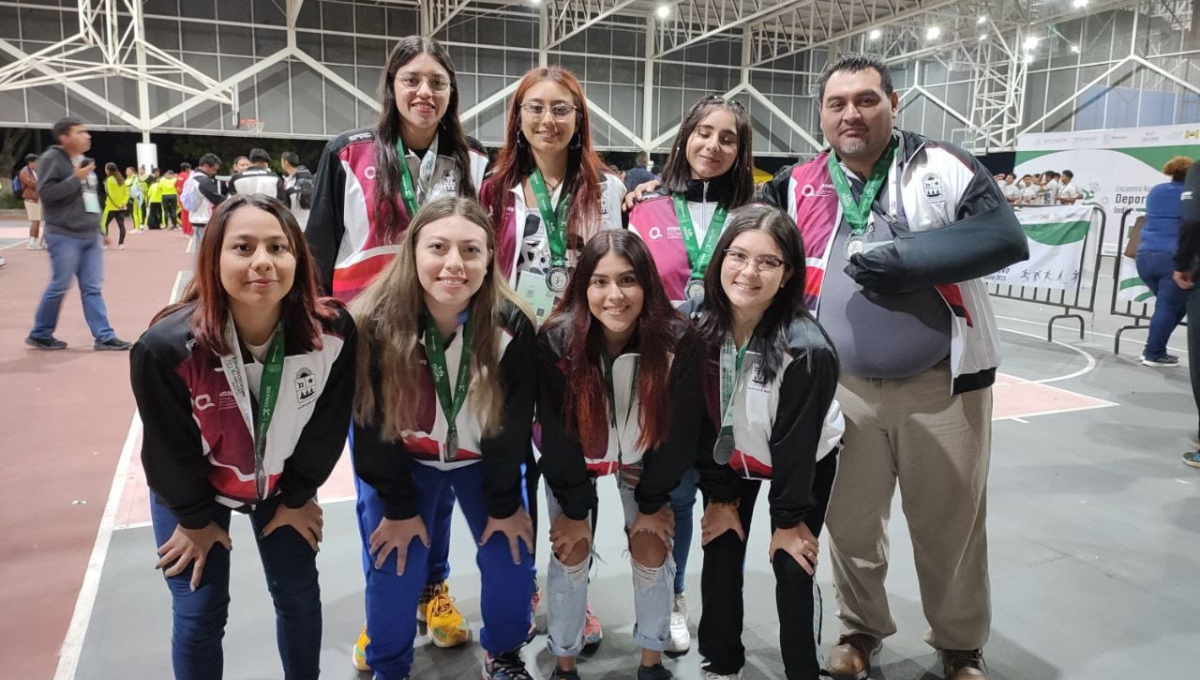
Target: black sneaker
(507, 666)
(560, 674)
(1192, 458)
(113, 344)
(1164, 360)
(45, 343)
(655, 672)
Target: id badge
(533, 290)
(91, 202)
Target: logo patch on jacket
(931, 184)
(306, 386)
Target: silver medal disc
(694, 290)
(854, 246)
(723, 449)
(556, 279)
(451, 449)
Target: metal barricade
(1073, 302)
(1131, 309)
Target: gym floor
(1092, 518)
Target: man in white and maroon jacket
(899, 291)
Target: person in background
(1029, 191)
(299, 185)
(71, 209)
(137, 198)
(33, 208)
(240, 164)
(154, 200)
(185, 171)
(1187, 261)
(1155, 261)
(206, 186)
(1068, 191)
(1050, 186)
(169, 199)
(258, 178)
(1012, 190)
(639, 173)
(116, 203)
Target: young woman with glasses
(769, 387)
(710, 171)
(369, 185)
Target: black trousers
(1193, 340)
(170, 211)
(721, 594)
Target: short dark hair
(642, 157)
(30, 158)
(63, 127)
(853, 63)
(1068, 173)
(209, 159)
(291, 158)
(258, 155)
(184, 167)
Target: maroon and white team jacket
(197, 450)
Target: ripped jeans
(653, 592)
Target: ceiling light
(1075, 49)
(983, 36)
(1031, 42)
(1079, 3)
(1028, 58)
(933, 33)
(664, 11)
(535, 2)
(981, 20)
(875, 34)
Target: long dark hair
(584, 167)
(388, 128)
(587, 398)
(677, 172)
(303, 309)
(112, 170)
(788, 301)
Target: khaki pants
(938, 446)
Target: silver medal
(723, 449)
(694, 290)
(854, 246)
(556, 279)
(451, 448)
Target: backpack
(304, 189)
(16, 185)
(191, 197)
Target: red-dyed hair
(584, 168)
(303, 310)
(585, 407)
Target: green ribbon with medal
(450, 401)
(556, 233)
(699, 254)
(731, 375)
(408, 189)
(268, 394)
(859, 215)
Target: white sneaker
(709, 675)
(681, 638)
(31, 244)
(2, 263)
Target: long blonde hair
(388, 312)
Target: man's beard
(852, 148)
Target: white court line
(1103, 335)
(1091, 361)
(1057, 411)
(68, 654)
(1016, 419)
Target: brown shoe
(850, 658)
(963, 664)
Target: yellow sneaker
(358, 657)
(447, 627)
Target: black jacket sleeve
(208, 189)
(57, 182)
(774, 192)
(562, 462)
(326, 219)
(324, 436)
(807, 391)
(504, 454)
(172, 454)
(385, 465)
(985, 238)
(665, 466)
(281, 190)
(1189, 222)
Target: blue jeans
(80, 258)
(683, 498)
(506, 588)
(290, 566)
(1170, 301)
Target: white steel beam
(787, 120)
(488, 103)
(75, 87)
(700, 12)
(572, 17)
(336, 79)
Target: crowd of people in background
(1047, 188)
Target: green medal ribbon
(554, 219)
(699, 255)
(268, 394)
(451, 402)
(858, 214)
(407, 189)
(731, 372)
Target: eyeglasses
(412, 82)
(736, 260)
(560, 111)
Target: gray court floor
(1094, 545)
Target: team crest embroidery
(932, 185)
(306, 386)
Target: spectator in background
(1187, 257)
(210, 195)
(116, 203)
(639, 174)
(240, 163)
(154, 200)
(169, 198)
(1155, 261)
(33, 208)
(1029, 190)
(137, 198)
(185, 170)
(258, 178)
(1050, 185)
(1068, 191)
(298, 184)
(1012, 190)
(72, 215)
